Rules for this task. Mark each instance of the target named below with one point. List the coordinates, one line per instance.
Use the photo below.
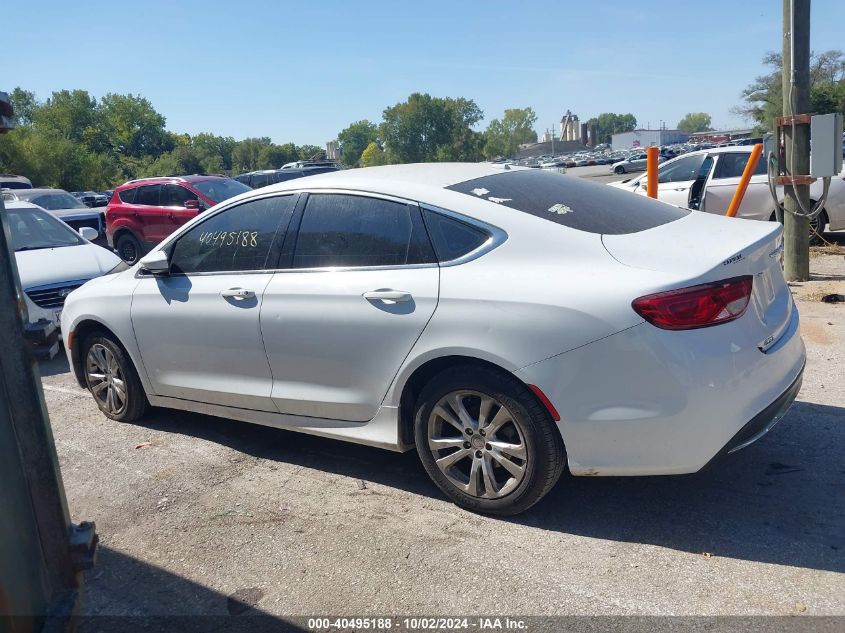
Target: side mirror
(89, 233)
(156, 263)
(192, 204)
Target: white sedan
(52, 259)
(507, 322)
(706, 180)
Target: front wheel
(486, 440)
(619, 170)
(128, 248)
(111, 378)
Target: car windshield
(33, 229)
(572, 202)
(220, 189)
(56, 200)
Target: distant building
(646, 138)
(570, 128)
(332, 150)
(721, 136)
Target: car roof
(157, 180)
(393, 177)
(21, 204)
(36, 191)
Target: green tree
(503, 137)
(24, 104)
(426, 128)
(133, 127)
(274, 156)
(355, 139)
(763, 98)
(694, 122)
(610, 123)
(71, 114)
(306, 152)
(373, 156)
(214, 151)
(246, 156)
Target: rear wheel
(486, 441)
(128, 248)
(111, 378)
(817, 226)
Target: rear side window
(127, 196)
(452, 238)
(573, 202)
(260, 180)
(244, 237)
(732, 164)
(148, 195)
(682, 169)
(176, 196)
(346, 230)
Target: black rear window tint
(570, 201)
(452, 238)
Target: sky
(301, 71)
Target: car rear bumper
(761, 423)
(650, 402)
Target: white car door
(198, 328)
(362, 285)
(677, 178)
(757, 203)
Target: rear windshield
(573, 202)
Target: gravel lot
(192, 510)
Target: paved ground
(193, 509)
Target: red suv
(143, 212)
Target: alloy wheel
(477, 444)
(105, 379)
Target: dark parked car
(262, 178)
(91, 199)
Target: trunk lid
(701, 248)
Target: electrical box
(825, 145)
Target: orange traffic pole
(651, 154)
(750, 166)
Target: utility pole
(796, 101)
(553, 141)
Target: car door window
(732, 164)
(351, 231)
(148, 195)
(681, 170)
(244, 237)
(452, 238)
(176, 196)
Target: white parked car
(706, 180)
(508, 322)
(634, 162)
(64, 206)
(52, 259)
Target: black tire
(128, 248)
(539, 437)
(817, 226)
(135, 401)
(619, 170)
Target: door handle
(681, 188)
(394, 296)
(237, 293)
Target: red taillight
(696, 306)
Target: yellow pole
(750, 166)
(651, 171)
